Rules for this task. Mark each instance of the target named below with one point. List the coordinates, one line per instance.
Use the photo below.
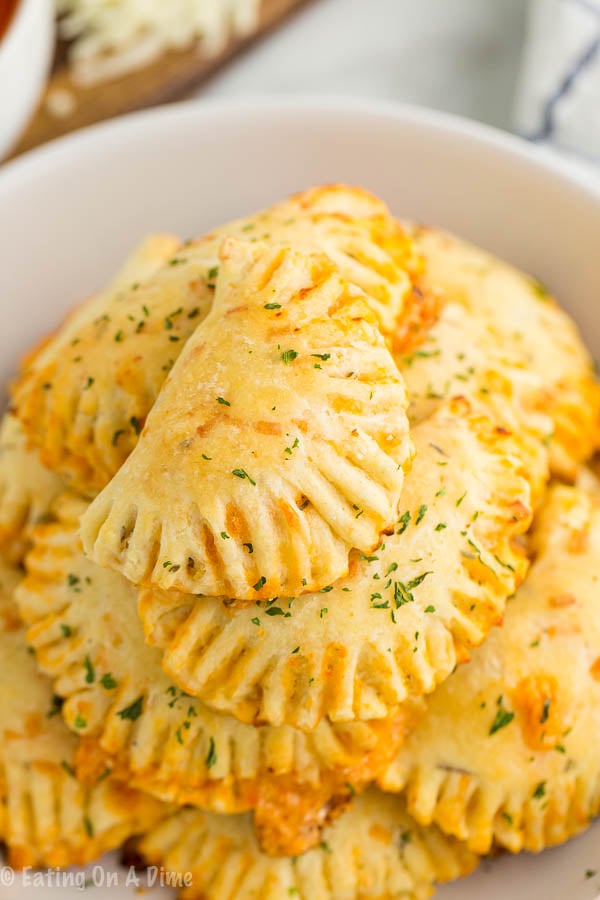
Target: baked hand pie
(498, 329)
(27, 488)
(277, 445)
(372, 852)
(47, 818)
(508, 751)
(133, 720)
(75, 383)
(397, 624)
(356, 230)
(84, 397)
(459, 357)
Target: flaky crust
(85, 398)
(46, 816)
(400, 621)
(373, 852)
(460, 355)
(358, 233)
(78, 382)
(498, 329)
(275, 447)
(85, 631)
(507, 752)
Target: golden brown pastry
(373, 852)
(397, 624)
(133, 720)
(508, 751)
(499, 330)
(27, 488)
(358, 233)
(277, 445)
(47, 818)
(85, 397)
(76, 381)
(479, 370)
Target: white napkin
(558, 97)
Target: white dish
(69, 213)
(25, 55)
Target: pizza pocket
(397, 624)
(507, 753)
(135, 722)
(500, 330)
(373, 852)
(84, 398)
(277, 445)
(47, 818)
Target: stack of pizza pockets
(259, 501)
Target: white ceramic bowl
(70, 211)
(25, 55)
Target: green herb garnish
(133, 711)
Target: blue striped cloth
(558, 98)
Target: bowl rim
(574, 174)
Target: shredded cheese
(111, 37)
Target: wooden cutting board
(171, 77)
